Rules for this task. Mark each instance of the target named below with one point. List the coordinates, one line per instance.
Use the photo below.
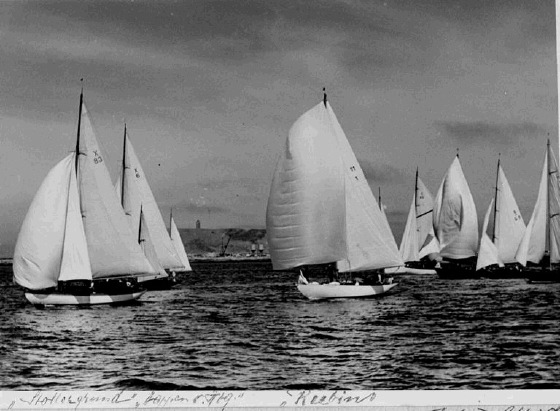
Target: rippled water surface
(242, 326)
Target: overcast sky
(209, 89)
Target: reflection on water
(241, 326)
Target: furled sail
(487, 251)
(137, 192)
(455, 218)
(112, 246)
(306, 210)
(39, 246)
(178, 243)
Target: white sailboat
(135, 193)
(321, 209)
(178, 244)
(419, 241)
(507, 233)
(540, 244)
(75, 246)
(456, 224)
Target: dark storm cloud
(500, 133)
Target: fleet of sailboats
(321, 210)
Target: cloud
(381, 173)
(478, 131)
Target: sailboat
(419, 247)
(456, 225)
(539, 250)
(178, 244)
(75, 246)
(322, 212)
(135, 193)
(496, 256)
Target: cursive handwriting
(40, 399)
(306, 397)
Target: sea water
(242, 326)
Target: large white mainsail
(40, 243)
(112, 246)
(509, 226)
(533, 243)
(487, 251)
(178, 244)
(306, 210)
(136, 193)
(455, 218)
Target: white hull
(70, 299)
(322, 291)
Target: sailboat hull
(56, 298)
(324, 291)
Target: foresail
(305, 216)
(38, 250)
(370, 242)
(424, 213)
(409, 242)
(510, 227)
(75, 258)
(178, 243)
(165, 250)
(533, 243)
(147, 245)
(487, 251)
(113, 248)
(455, 218)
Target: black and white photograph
(247, 195)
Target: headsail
(113, 249)
(178, 243)
(306, 211)
(136, 192)
(455, 218)
(487, 251)
(409, 242)
(39, 246)
(147, 245)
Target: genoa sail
(487, 251)
(178, 244)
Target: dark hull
(457, 270)
(512, 271)
(158, 284)
(542, 275)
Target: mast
(170, 218)
(123, 167)
(140, 227)
(416, 199)
(324, 97)
(496, 201)
(79, 125)
(548, 230)
(379, 197)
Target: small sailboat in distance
(75, 246)
(321, 211)
(456, 225)
(419, 247)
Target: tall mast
(79, 125)
(496, 201)
(123, 167)
(170, 218)
(379, 196)
(416, 199)
(324, 97)
(548, 230)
